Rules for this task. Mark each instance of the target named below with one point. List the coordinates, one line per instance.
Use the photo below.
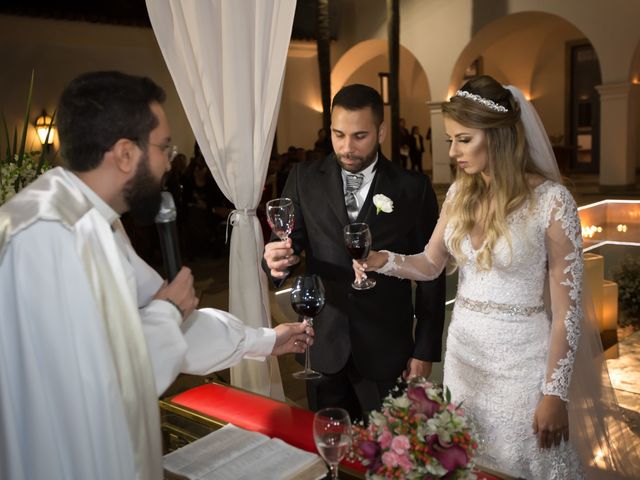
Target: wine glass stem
(307, 358)
(333, 468)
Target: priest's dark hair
(358, 96)
(97, 109)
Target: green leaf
(25, 126)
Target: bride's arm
(423, 266)
(564, 253)
(564, 250)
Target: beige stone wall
(60, 50)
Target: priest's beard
(142, 193)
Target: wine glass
(280, 217)
(357, 238)
(332, 434)
(307, 299)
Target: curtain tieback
(234, 217)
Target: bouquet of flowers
(17, 172)
(418, 434)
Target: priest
(90, 335)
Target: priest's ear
(126, 155)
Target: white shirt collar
(100, 205)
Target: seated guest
(90, 334)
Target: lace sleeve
(564, 252)
(428, 264)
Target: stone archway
(529, 50)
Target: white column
(618, 123)
(440, 160)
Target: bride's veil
(608, 448)
(597, 428)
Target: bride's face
(468, 147)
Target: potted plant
(17, 166)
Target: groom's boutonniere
(382, 203)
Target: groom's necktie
(354, 182)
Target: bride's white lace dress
(504, 349)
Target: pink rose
(400, 444)
(405, 463)
(385, 439)
(390, 459)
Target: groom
(364, 339)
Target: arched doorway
(556, 67)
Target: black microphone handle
(168, 233)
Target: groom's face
(356, 137)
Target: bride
(513, 232)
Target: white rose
(382, 203)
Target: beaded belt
(495, 307)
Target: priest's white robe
(62, 411)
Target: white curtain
(227, 59)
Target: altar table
(194, 413)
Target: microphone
(168, 233)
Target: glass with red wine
(280, 217)
(357, 239)
(307, 299)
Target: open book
(232, 453)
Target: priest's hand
(551, 421)
(292, 338)
(279, 257)
(180, 293)
(417, 368)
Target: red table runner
(260, 414)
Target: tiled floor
(212, 282)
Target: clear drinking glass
(332, 434)
(280, 217)
(357, 239)
(307, 299)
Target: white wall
(300, 114)
(61, 50)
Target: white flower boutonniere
(382, 203)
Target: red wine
(359, 252)
(308, 308)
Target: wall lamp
(384, 87)
(45, 128)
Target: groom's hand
(279, 257)
(417, 368)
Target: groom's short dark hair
(358, 96)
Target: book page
(198, 458)
(232, 453)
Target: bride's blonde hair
(509, 164)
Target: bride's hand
(551, 421)
(374, 261)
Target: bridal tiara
(484, 101)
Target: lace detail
(503, 350)
(565, 210)
(391, 265)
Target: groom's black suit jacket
(374, 326)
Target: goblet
(357, 239)
(307, 299)
(280, 217)
(332, 434)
